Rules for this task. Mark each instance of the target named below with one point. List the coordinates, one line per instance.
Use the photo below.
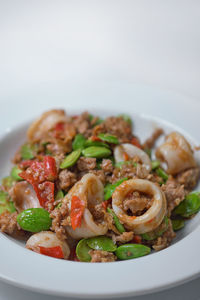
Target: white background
(44, 44)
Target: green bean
(160, 172)
(79, 142)
(28, 151)
(34, 219)
(189, 206)
(152, 235)
(82, 250)
(5, 204)
(101, 243)
(118, 225)
(129, 251)
(110, 188)
(96, 152)
(112, 139)
(90, 143)
(126, 118)
(70, 159)
(155, 164)
(177, 224)
(15, 173)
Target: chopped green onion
(118, 225)
(160, 172)
(155, 164)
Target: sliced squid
(46, 122)
(47, 239)
(132, 152)
(176, 152)
(24, 196)
(90, 190)
(152, 218)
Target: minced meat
(102, 256)
(189, 178)
(174, 193)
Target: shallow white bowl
(169, 267)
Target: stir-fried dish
(86, 189)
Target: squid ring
(132, 151)
(90, 190)
(177, 153)
(47, 239)
(152, 217)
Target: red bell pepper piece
(26, 164)
(106, 203)
(77, 209)
(135, 142)
(126, 156)
(52, 251)
(44, 192)
(137, 239)
(50, 168)
(58, 129)
(95, 139)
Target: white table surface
(48, 43)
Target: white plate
(174, 265)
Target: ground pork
(86, 163)
(57, 147)
(110, 222)
(82, 124)
(189, 178)
(60, 217)
(150, 142)
(107, 165)
(115, 126)
(174, 193)
(136, 203)
(102, 256)
(166, 239)
(8, 223)
(141, 171)
(98, 211)
(126, 170)
(66, 179)
(123, 238)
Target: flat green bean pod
(178, 224)
(101, 243)
(71, 159)
(82, 250)
(112, 139)
(34, 219)
(189, 206)
(130, 251)
(96, 152)
(79, 142)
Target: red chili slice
(50, 168)
(77, 209)
(135, 142)
(52, 251)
